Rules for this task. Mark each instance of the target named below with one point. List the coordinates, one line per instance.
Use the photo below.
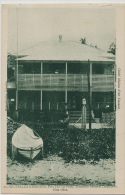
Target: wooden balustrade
(60, 82)
(58, 106)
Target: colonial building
(53, 76)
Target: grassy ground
(71, 157)
(54, 171)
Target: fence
(109, 118)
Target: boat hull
(26, 142)
(28, 154)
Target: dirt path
(54, 171)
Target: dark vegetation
(112, 48)
(69, 142)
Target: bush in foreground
(69, 142)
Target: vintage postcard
(63, 98)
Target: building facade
(52, 77)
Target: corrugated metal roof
(65, 51)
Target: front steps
(75, 116)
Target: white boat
(26, 142)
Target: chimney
(60, 38)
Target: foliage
(11, 60)
(11, 128)
(10, 66)
(112, 48)
(69, 142)
(83, 40)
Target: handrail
(77, 121)
(73, 80)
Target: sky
(36, 25)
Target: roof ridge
(56, 41)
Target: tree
(83, 41)
(112, 48)
(10, 66)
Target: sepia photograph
(61, 96)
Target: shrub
(70, 142)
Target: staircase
(74, 116)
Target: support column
(33, 105)
(84, 114)
(49, 106)
(8, 104)
(66, 73)
(66, 97)
(16, 86)
(90, 92)
(41, 92)
(16, 104)
(66, 89)
(16, 100)
(41, 68)
(25, 105)
(41, 100)
(33, 80)
(57, 105)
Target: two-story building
(53, 76)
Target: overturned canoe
(27, 142)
